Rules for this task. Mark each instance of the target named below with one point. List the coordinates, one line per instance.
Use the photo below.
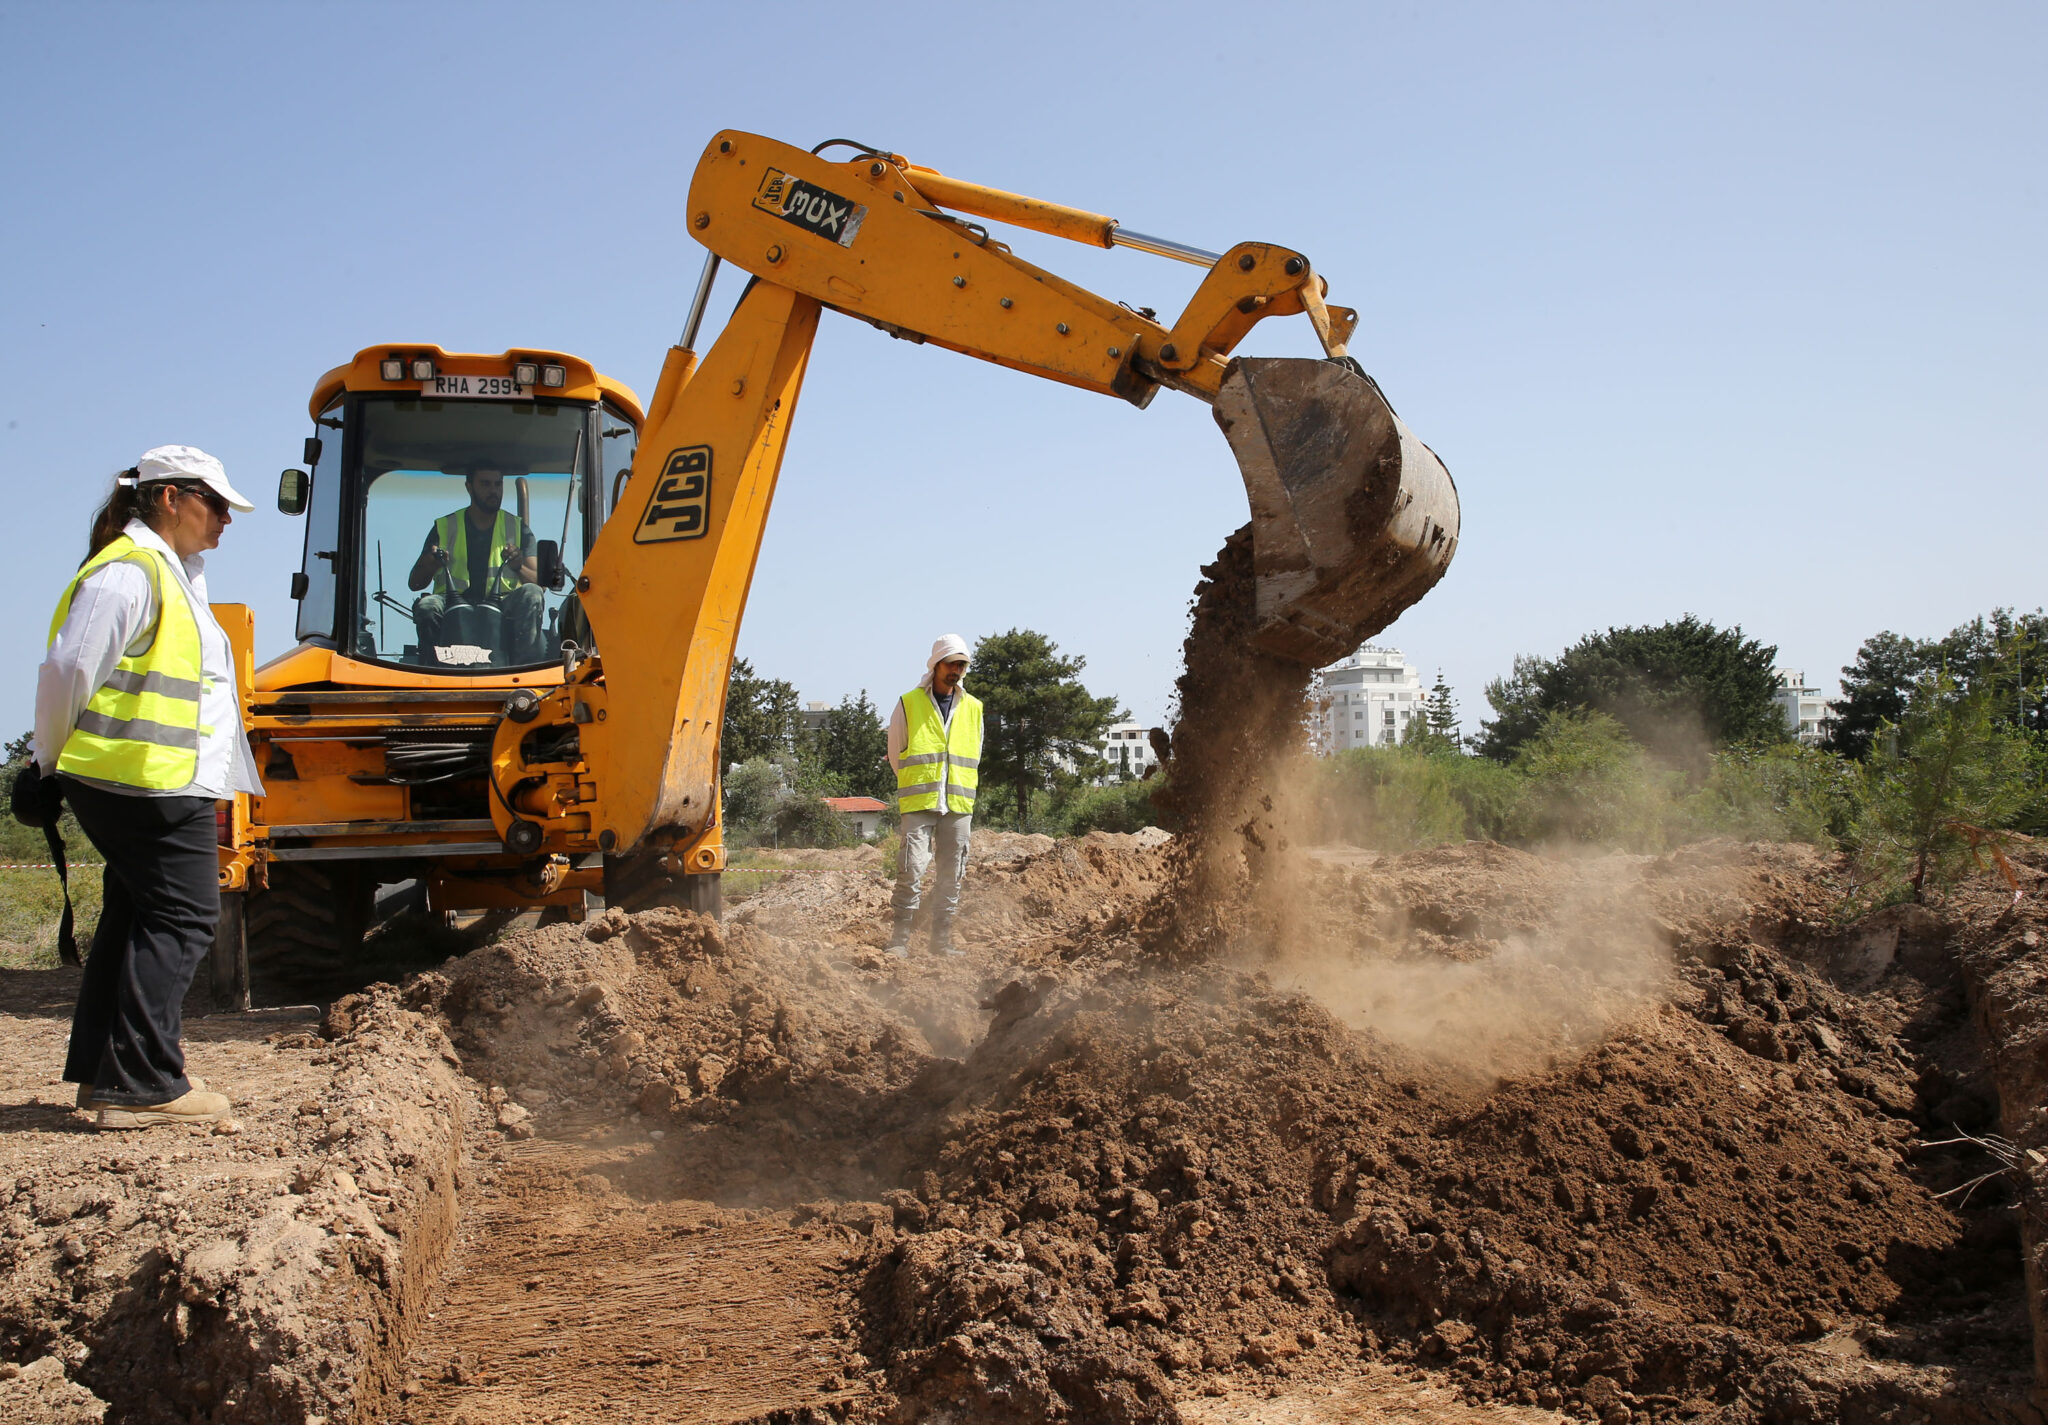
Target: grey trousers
(523, 607)
(920, 830)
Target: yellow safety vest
(141, 727)
(451, 532)
(934, 743)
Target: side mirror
(547, 557)
(292, 486)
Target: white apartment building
(1366, 700)
(1804, 707)
(1127, 747)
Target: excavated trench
(1688, 1178)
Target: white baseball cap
(186, 464)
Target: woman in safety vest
(137, 709)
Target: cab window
(617, 438)
(459, 496)
(323, 531)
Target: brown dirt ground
(259, 1271)
(1481, 1135)
(1627, 1134)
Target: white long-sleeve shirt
(113, 614)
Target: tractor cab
(451, 500)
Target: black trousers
(157, 920)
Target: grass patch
(740, 878)
(32, 904)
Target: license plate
(474, 388)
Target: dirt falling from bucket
(1240, 723)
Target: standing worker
(137, 710)
(935, 749)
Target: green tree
(1875, 689)
(852, 749)
(763, 717)
(1037, 715)
(1946, 771)
(752, 790)
(779, 802)
(1435, 729)
(2001, 655)
(1680, 689)
(1441, 710)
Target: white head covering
(949, 646)
(187, 463)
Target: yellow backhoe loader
(521, 708)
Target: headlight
(526, 373)
(393, 368)
(554, 376)
(423, 368)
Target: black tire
(306, 929)
(228, 962)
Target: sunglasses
(213, 499)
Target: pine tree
(1039, 719)
(1943, 774)
(1441, 710)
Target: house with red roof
(864, 812)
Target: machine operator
(482, 554)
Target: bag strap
(67, 943)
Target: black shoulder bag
(39, 801)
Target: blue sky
(1733, 310)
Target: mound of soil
(1630, 1137)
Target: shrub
(1121, 806)
(1389, 798)
(1587, 781)
(763, 808)
(1780, 793)
(1415, 795)
(1944, 767)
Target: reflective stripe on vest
(451, 532)
(141, 727)
(933, 742)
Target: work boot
(899, 935)
(90, 1104)
(942, 936)
(197, 1106)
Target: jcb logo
(680, 507)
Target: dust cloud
(1523, 1003)
(1481, 1004)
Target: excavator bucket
(1353, 518)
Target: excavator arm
(1353, 519)
(872, 238)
